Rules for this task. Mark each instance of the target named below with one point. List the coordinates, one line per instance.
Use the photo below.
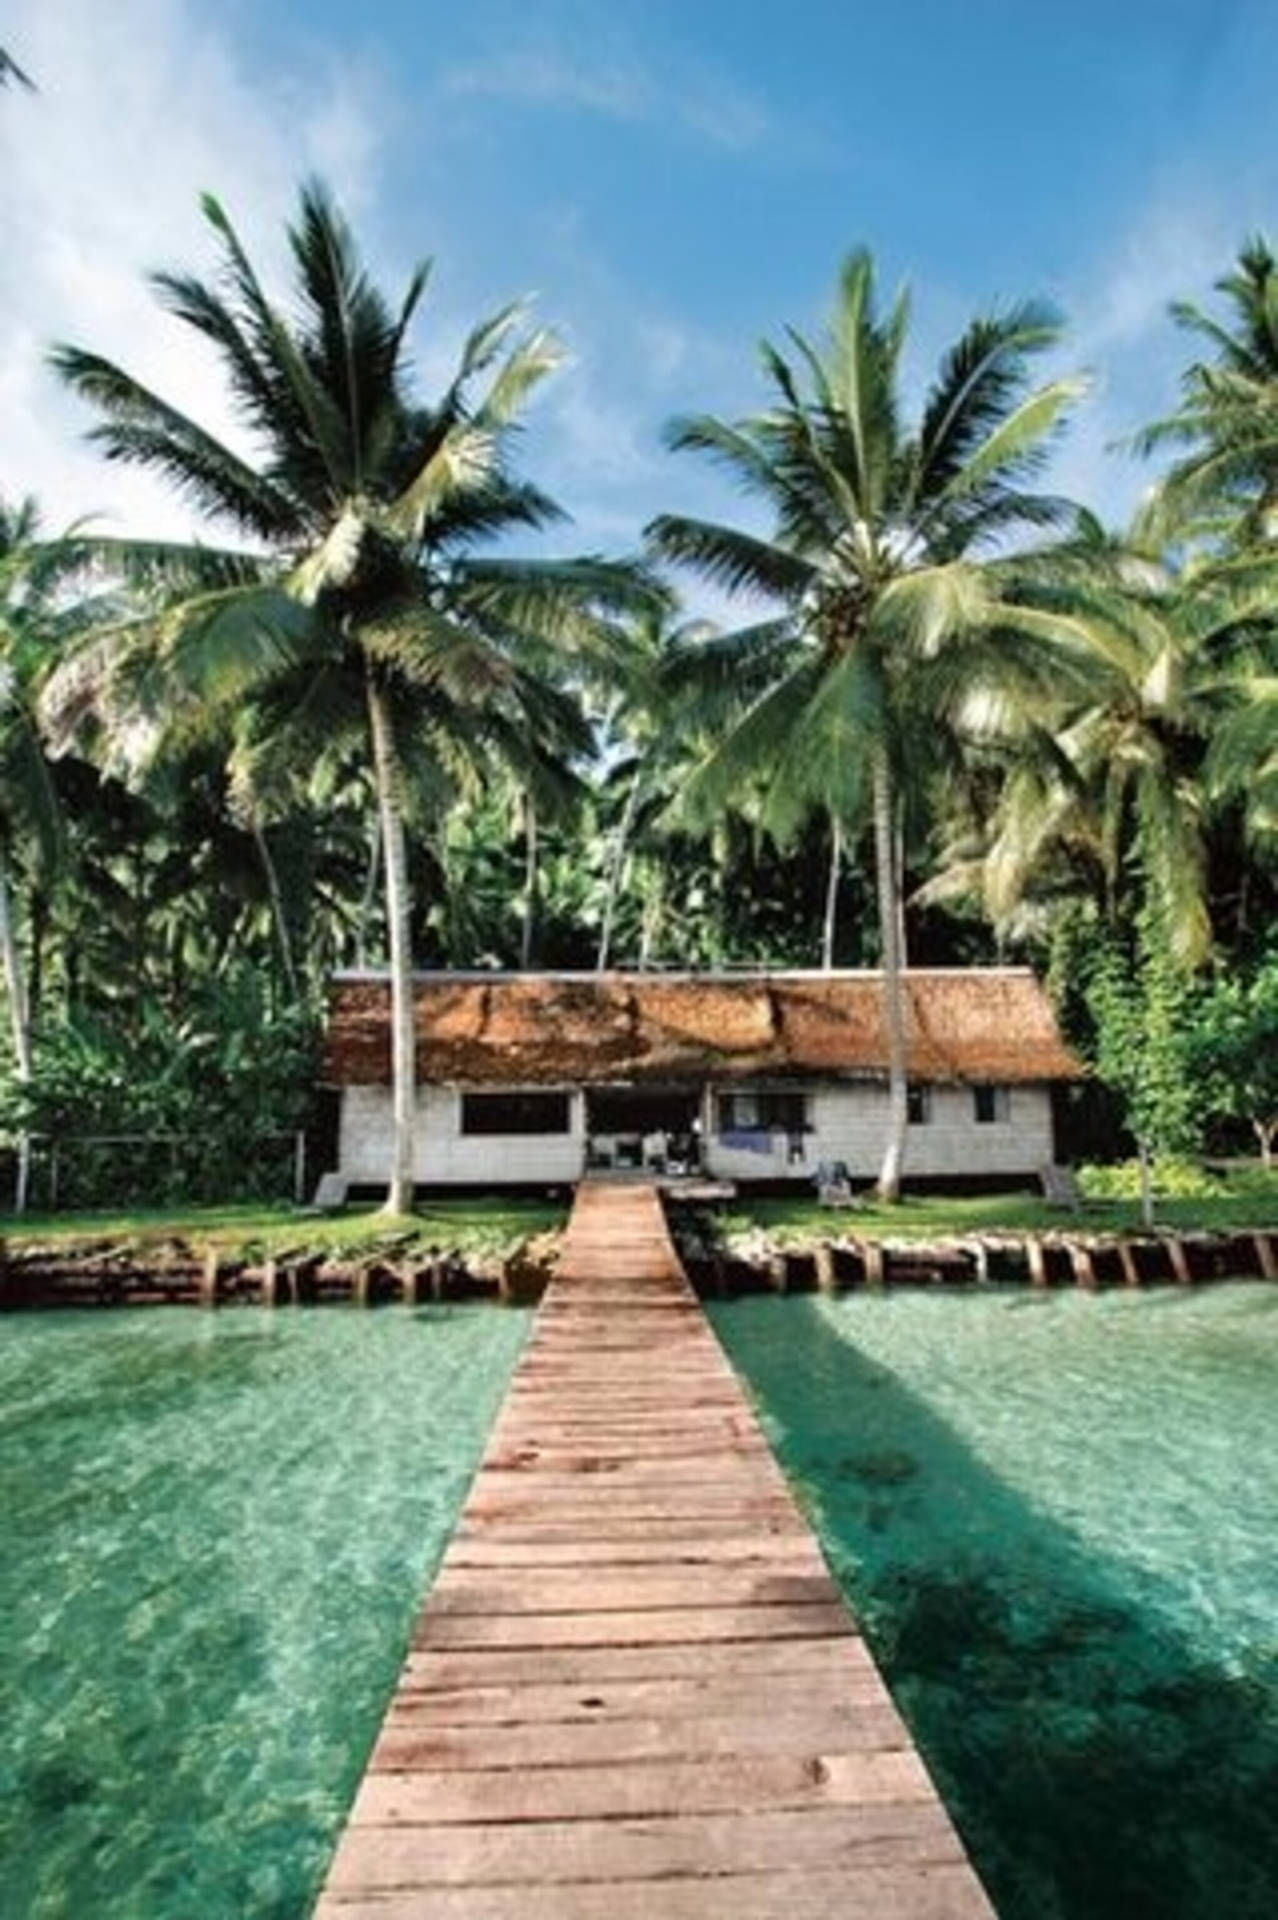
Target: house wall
(443, 1155)
(848, 1122)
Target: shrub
(1170, 1179)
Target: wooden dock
(634, 1689)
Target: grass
(496, 1223)
(1247, 1198)
(488, 1224)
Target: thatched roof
(568, 1029)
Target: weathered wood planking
(634, 1692)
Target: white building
(534, 1079)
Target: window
(918, 1105)
(991, 1104)
(757, 1110)
(515, 1113)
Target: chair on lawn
(330, 1194)
(834, 1184)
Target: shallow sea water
(1057, 1518)
(215, 1532)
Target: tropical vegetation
(373, 717)
(889, 625)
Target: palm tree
(874, 558)
(1168, 710)
(1227, 420)
(362, 603)
(40, 616)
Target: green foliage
(1234, 1048)
(1169, 1179)
(1140, 1000)
(1069, 730)
(208, 1103)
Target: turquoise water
(1058, 1519)
(216, 1532)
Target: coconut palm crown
(875, 556)
(358, 602)
(1225, 477)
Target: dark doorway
(648, 1129)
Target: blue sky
(671, 181)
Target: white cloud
(618, 84)
(595, 440)
(141, 108)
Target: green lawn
(489, 1224)
(1248, 1198)
(495, 1224)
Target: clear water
(1058, 1520)
(216, 1530)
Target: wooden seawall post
(634, 1692)
(209, 1277)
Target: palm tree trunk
(1146, 1184)
(889, 1186)
(399, 1192)
(531, 879)
(616, 870)
(902, 943)
(369, 894)
(653, 910)
(276, 899)
(832, 895)
(18, 1014)
(39, 921)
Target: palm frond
(977, 385)
(522, 370)
(1017, 444)
(739, 761)
(738, 561)
(463, 462)
(142, 429)
(498, 506)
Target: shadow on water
(1099, 1766)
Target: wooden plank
(550, 1590)
(551, 1852)
(659, 1624)
(832, 1663)
(792, 1549)
(532, 1528)
(634, 1690)
(673, 1697)
(409, 1744)
(614, 1792)
(887, 1893)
